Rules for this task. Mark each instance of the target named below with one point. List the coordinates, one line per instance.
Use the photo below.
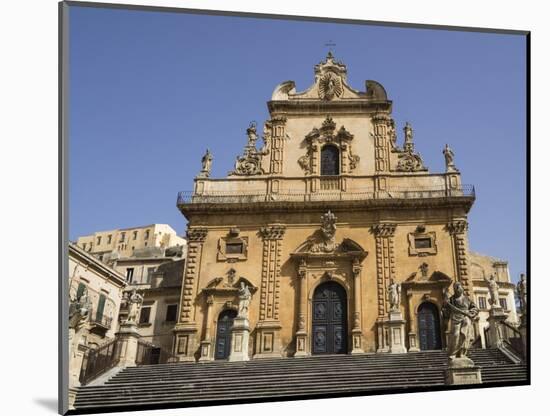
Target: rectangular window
(80, 290)
(145, 315)
(503, 303)
(134, 236)
(98, 240)
(171, 313)
(422, 243)
(109, 238)
(122, 237)
(150, 271)
(234, 248)
(482, 300)
(129, 274)
(83, 246)
(146, 236)
(100, 308)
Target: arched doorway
(223, 334)
(429, 330)
(330, 160)
(329, 320)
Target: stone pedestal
(357, 340)
(206, 351)
(301, 344)
(496, 318)
(239, 340)
(413, 342)
(75, 364)
(128, 336)
(523, 332)
(391, 334)
(462, 371)
(396, 332)
(268, 343)
(185, 342)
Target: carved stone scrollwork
(409, 160)
(384, 230)
(330, 86)
(457, 227)
(250, 163)
(275, 232)
(197, 235)
(353, 161)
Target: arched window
(330, 160)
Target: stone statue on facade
(206, 164)
(408, 159)
(460, 310)
(394, 295)
(493, 291)
(135, 300)
(449, 159)
(244, 300)
(521, 290)
(79, 310)
(408, 145)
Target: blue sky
(150, 91)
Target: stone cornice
(305, 106)
(197, 235)
(460, 202)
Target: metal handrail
(97, 361)
(190, 197)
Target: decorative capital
(197, 235)
(384, 230)
(274, 232)
(457, 227)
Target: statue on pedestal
(449, 159)
(521, 290)
(206, 164)
(394, 292)
(244, 300)
(460, 310)
(493, 292)
(135, 301)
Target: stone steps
(180, 383)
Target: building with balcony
(104, 287)
(318, 222)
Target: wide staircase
(183, 383)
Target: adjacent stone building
(318, 222)
(121, 243)
(482, 268)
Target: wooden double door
(329, 320)
(429, 329)
(223, 334)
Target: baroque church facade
(344, 238)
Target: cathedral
(343, 240)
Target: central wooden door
(223, 334)
(429, 330)
(329, 320)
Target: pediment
(437, 277)
(316, 246)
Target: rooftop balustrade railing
(256, 196)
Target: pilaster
(301, 333)
(186, 331)
(268, 327)
(277, 145)
(457, 229)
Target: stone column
(206, 343)
(413, 337)
(301, 333)
(277, 146)
(380, 123)
(356, 332)
(185, 331)
(128, 336)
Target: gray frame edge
(63, 218)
